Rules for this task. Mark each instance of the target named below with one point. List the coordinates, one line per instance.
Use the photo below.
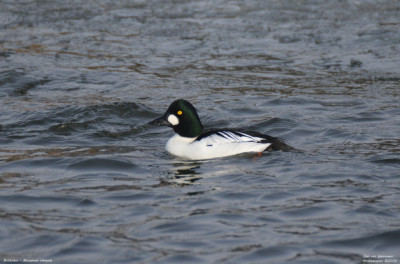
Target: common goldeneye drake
(190, 142)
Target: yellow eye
(179, 112)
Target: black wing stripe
(257, 139)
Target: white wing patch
(239, 137)
(223, 137)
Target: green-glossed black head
(182, 117)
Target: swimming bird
(191, 142)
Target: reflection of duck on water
(182, 173)
(190, 142)
(185, 173)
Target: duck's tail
(279, 144)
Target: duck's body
(190, 142)
(215, 144)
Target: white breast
(214, 146)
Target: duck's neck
(193, 130)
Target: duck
(192, 142)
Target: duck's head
(182, 117)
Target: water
(84, 179)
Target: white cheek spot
(173, 120)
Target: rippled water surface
(84, 179)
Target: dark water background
(83, 179)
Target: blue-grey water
(84, 179)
